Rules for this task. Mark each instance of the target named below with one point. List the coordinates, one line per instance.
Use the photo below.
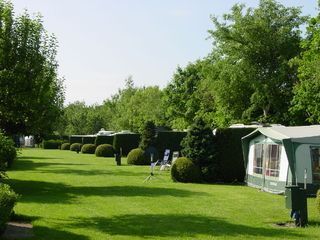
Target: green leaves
(31, 93)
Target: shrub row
(88, 148)
(169, 140)
(104, 150)
(229, 153)
(8, 198)
(51, 144)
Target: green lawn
(75, 196)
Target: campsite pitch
(66, 195)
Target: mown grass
(76, 196)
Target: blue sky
(102, 42)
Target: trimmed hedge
(75, 147)
(88, 139)
(88, 148)
(100, 139)
(51, 144)
(169, 140)
(229, 153)
(104, 150)
(75, 139)
(8, 198)
(126, 141)
(8, 152)
(65, 146)
(137, 157)
(184, 170)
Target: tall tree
(306, 101)
(181, 96)
(255, 47)
(31, 94)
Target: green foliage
(169, 140)
(184, 170)
(88, 139)
(8, 198)
(126, 142)
(8, 152)
(75, 147)
(198, 145)
(104, 140)
(75, 139)
(104, 150)
(65, 146)
(88, 148)
(305, 103)
(31, 93)
(182, 96)
(51, 144)
(228, 148)
(318, 201)
(78, 118)
(252, 48)
(137, 157)
(148, 135)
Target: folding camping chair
(165, 164)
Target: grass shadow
(48, 192)
(174, 225)
(23, 164)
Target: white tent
(280, 156)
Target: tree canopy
(31, 94)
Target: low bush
(184, 170)
(88, 148)
(8, 198)
(137, 157)
(51, 144)
(75, 147)
(101, 139)
(65, 146)
(7, 151)
(104, 150)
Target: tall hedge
(126, 141)
(169, 140)
(75, 139)
(88, 139)
(51, 144)
(100, 139)
(229, 153)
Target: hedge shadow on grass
(48, 192)
(22, 164)
(174, 225)
(55, 234)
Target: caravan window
(267, 157)
(258, 158)
(272, 159)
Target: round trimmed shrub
(76, 147)
(88, 148)
(184, 170)
(65, 146)
(104, 150)
(137, 157)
